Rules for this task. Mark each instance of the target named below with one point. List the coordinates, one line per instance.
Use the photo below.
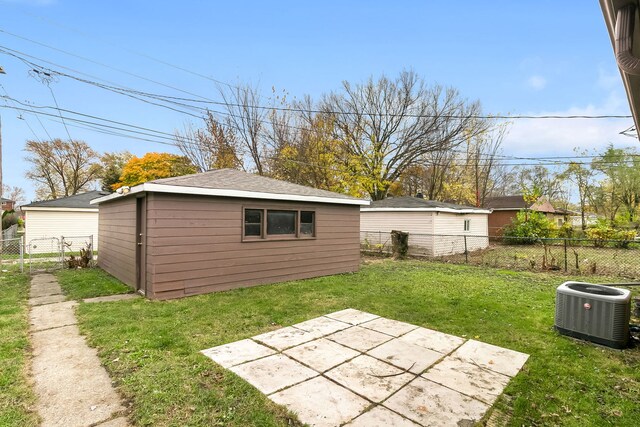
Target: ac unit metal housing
(595, 313)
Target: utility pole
(1, 72)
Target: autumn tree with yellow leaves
(153, 166)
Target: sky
(533, 57)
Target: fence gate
(44, 254)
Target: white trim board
(57, 209)
(199, 191)
(447, 210)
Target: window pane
(252, 229)
(281, 222)
(252, 216)
(306, 229)
(252, 222)
(306, 223)
(306, 217)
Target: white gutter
(447, 210)
(58, 209)
(199, 191)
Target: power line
(116, 130)
(102, 64)
(22, 118)
(141, 54)
(205, 100)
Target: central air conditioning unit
(595, 313)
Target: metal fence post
(21, 251)
(565, 254)
(62, 251)
(466, 252)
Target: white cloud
(548, 137)
(536, 82)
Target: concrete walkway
(71, 386)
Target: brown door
(141, 258)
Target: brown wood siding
(117, 229)
(498, 220)
(194, 245)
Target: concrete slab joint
(357, 369)
(71, 386)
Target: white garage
(70, 217)
(435, 228)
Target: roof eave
(57, 209)
(446, 210)
(609, 13)
(200, 191)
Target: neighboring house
(7, 205)
(505, 208)
(435, 228)
(225, 229)
(621, 20)
(589, 219)
(71, 216)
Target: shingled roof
(235, 183)
(78, 201)
(517, 202)
(418, 203)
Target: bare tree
(13, 193)
(390, 124)
(549, 182)
(482, 157)
(213, 147)
(242, 103)
(61, 168)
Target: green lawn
(89, 283)
(151, 348)
(16, 396)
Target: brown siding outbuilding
(188, 244)
(117, 229)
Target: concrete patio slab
(381, 417)
(370, 377)
(47, 299)
(273, 373)
(52, 316)
(433, 340)
(110, 298)
(322, 325)
(405, 355)
(352, 316)
(238, 352)
(472, 380)
(389, 326)
(372, 371)
(321, 403)
(286, 337)
(360, 339)
(430, 404)
(321, 354)
(498, 359)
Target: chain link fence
(46, 254)
(77, 251)
(11, 255)
(573, 256)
